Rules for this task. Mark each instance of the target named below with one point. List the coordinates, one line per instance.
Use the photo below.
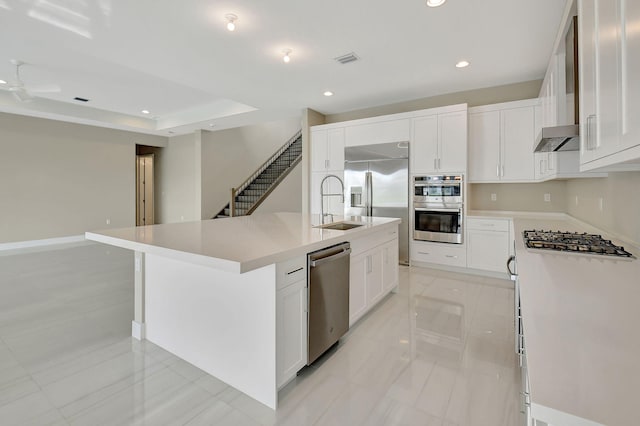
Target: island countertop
(238, 244)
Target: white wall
(60, 179)
(230, 156)
(178, 180)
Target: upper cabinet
(327, 150)
(609, 86)
(501, 138)
(377, 132)
(439, 142)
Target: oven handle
(420, 209)
(437, 184)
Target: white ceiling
(177, 59)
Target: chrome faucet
(322, 195)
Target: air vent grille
(349, 57)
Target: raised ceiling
(177, 59)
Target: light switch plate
(547, 198)
(494, 197)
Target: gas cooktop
(573, 242)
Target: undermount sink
(340, 226)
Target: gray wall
(230, 156)
(485, 96)
(519, 196)
(60, 179)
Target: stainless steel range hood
(559, 138)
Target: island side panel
(221, 322)
(138, 325)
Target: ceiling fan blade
(44, 88)
(22, 95)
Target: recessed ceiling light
(328, 93)
(145, 111)
(462, 64)
(435, 3)
(231, 21)
(3, 82)
(286, 58)
(211, 124)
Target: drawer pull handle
(295, 270)
(423, 252)
(450, 256)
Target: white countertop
(238, 244)
(581, 325)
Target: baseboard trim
(138, 330)
(41, 243)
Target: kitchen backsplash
(519, 196)
(612, 203)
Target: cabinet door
(487, 250)
(423, 146)
(452, 142)
(291, 338)
(374, 276)
(390, 265)
(607, 77)
(517, 135)
(335, 148)
(319, 140)
(357, 287)
(484, 146)
(380, 132)
(587, 68)
(630, 83)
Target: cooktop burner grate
(573, 242)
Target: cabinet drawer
(443, 254)
(361, 245)
(488, 224)
(290, 271)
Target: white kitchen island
(229, 295)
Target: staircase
(250, 194)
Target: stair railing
(262, 168)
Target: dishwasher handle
(346, 251)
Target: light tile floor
(439, 352)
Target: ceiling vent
(349, 57)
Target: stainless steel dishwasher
(328, 298)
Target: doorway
(144, 189)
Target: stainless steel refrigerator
(376, 181)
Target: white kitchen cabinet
(373, 272)
(501, 140)
(357, 287)
(439, 253)
(439, 143)
(291, 318)
(488, 244)
(332, 204)
(378, 132)
(291, 329)
(609, 88)
(389, 265)
(327, 150)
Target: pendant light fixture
(286, 58)
(435, 3)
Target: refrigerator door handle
(369, 188)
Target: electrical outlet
(576, 200)
(547, 198)
(601, 203)
(494, 197)
(108, 221)
(182, 218)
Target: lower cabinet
(291, 318)
(373, 273)
(291, 329)
(488, 244)
(439, 253)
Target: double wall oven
(438, 208)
